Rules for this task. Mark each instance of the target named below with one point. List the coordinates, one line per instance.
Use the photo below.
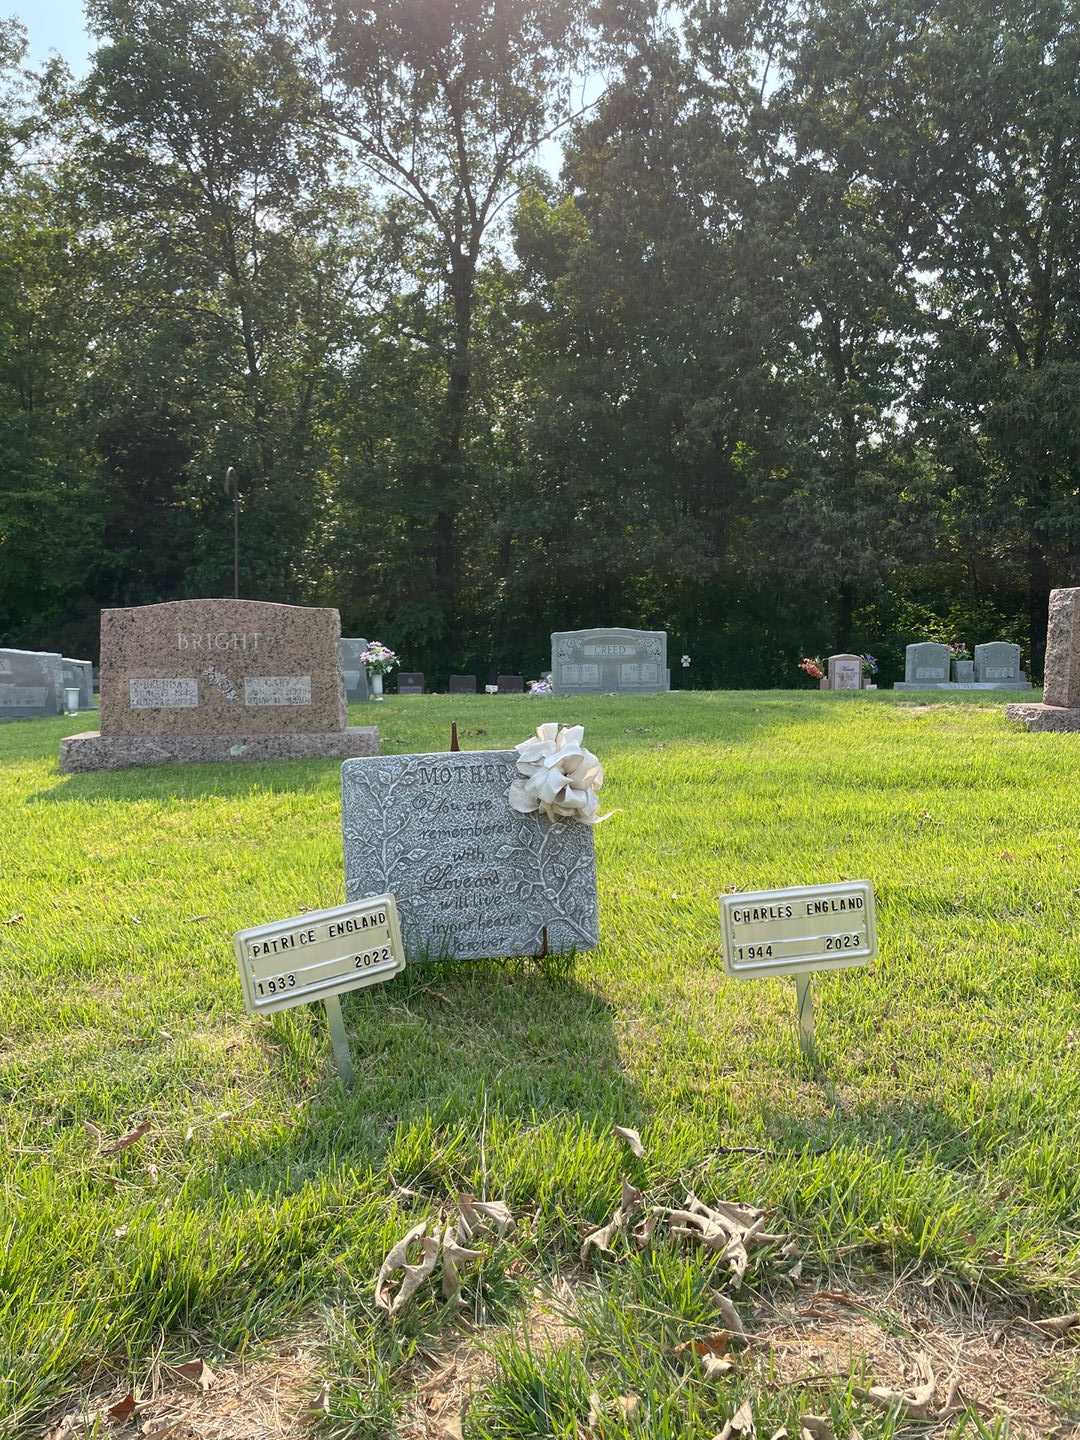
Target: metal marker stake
(804, 1002)
(338, 1038)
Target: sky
(52, 25)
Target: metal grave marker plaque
(472, 877)
(790, 932)
(319, 955)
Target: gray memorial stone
(80, 673)
(926, 666)
(31, 683)
(353, 670)
(963, 672)
(998, 663)
(511, 684)
(1060, 709)
(585, 662)
(472, 877)
(462, 684)
(845, 672)
(410, 682)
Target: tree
(445, 103)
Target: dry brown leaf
(163, 1431)
(731, 1317)
(1057, 1325)
(780, 1434)
(715, 1366)
(93, 1132)
(912, 1407)
(126, 1140)
(741, 1423)
(594, 1410)
(643, 1230)
(628, 1405)
(734, 1253)
(794, 1274)
(320, 1404)
(123, 1410)
(16, 919)
(601, 1239)
(631, 1198)
(476, 1212)
(397, 1259)
(453, 1255)
(632, 1138)
(815, 1427)
(198, 1372)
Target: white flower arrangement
(686, 662)
(540, 687)
(379, 658)
(560, 778)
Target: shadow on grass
(190, 782)
(439, 1054)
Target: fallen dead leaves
(114, 1147)
(266, 1398)
(448, 1240)
(732, 1230)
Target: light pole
(232, 489)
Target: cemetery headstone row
(931, 666)
(33, 682)
(199, 680)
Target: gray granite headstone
(410, 682)
(997, 661)
(31, 683)
(845, 672)
(1060, 710)
(927, 663)
(511, 684)
(353, 669)
(472, 877)
(462, 684)
(602, 661)
(79, 673)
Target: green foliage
(786, 361)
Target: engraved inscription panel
(472, 878)
(163, 694)
(277, 690)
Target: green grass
(941, 1131)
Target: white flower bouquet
(560, 778)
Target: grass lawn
(938, 1141)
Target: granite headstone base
(93, 751)
(1059, 718)
(1023, 684)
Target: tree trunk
(449, 479)
(1038, 602)
(845, 616)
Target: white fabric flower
(560, 778)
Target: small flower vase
(963, 672)
(376, 687)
